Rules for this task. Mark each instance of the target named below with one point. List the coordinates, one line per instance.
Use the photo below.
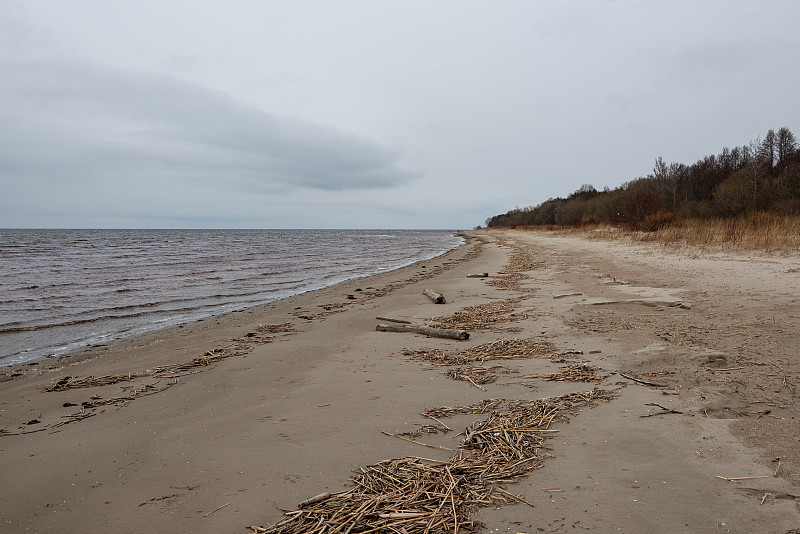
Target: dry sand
(281, 421)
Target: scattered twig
(216, 509)
(520, 499)
(737, 479)
(664, 410)
(643, 382)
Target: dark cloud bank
(79, 132)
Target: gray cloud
(65, 119)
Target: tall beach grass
(754, 231)
(760, 231)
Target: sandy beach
(217, 426)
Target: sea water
(62, 291)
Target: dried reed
(415, 495)
(212, 356)
(484, 316)
(499, 349)
(573, 373)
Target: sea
(62, 291)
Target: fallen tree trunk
(478, 275)
(427, 330)
(436, 297)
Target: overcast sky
(369, 113)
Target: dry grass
(757, 231)
(754, 231)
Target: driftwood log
(391, 320)
(478, 275)
(427, 330)
(435, 296)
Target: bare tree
(759, 166)
(768, 150)
(786, 144)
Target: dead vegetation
(166, 371)
(514, 272)
(489, 315)
(573, 373)
(500, 349)
(417, 495)
(754, 231)
(480, 374)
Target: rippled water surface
(61, 290)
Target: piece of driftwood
(435, 296)
(478, 275)
(403, 321)
(562, 295)
(427, 330)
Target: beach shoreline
(290, 412)
(67, 291)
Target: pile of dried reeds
(426, 429)
(276, 328)
(478, 374)
(509, 282)
(168, 371)
(509, 349)
(499, 349)
(521, 260)
(416, 495)
(481, 316)
(479, 408)
(573, 373)
(513, 273)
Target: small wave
(104, 281)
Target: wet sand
(224, 445)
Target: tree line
(763, 175)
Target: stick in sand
(653, 384)
(391, 320)
(217, 508)
(737, 479)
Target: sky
(369, 113)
